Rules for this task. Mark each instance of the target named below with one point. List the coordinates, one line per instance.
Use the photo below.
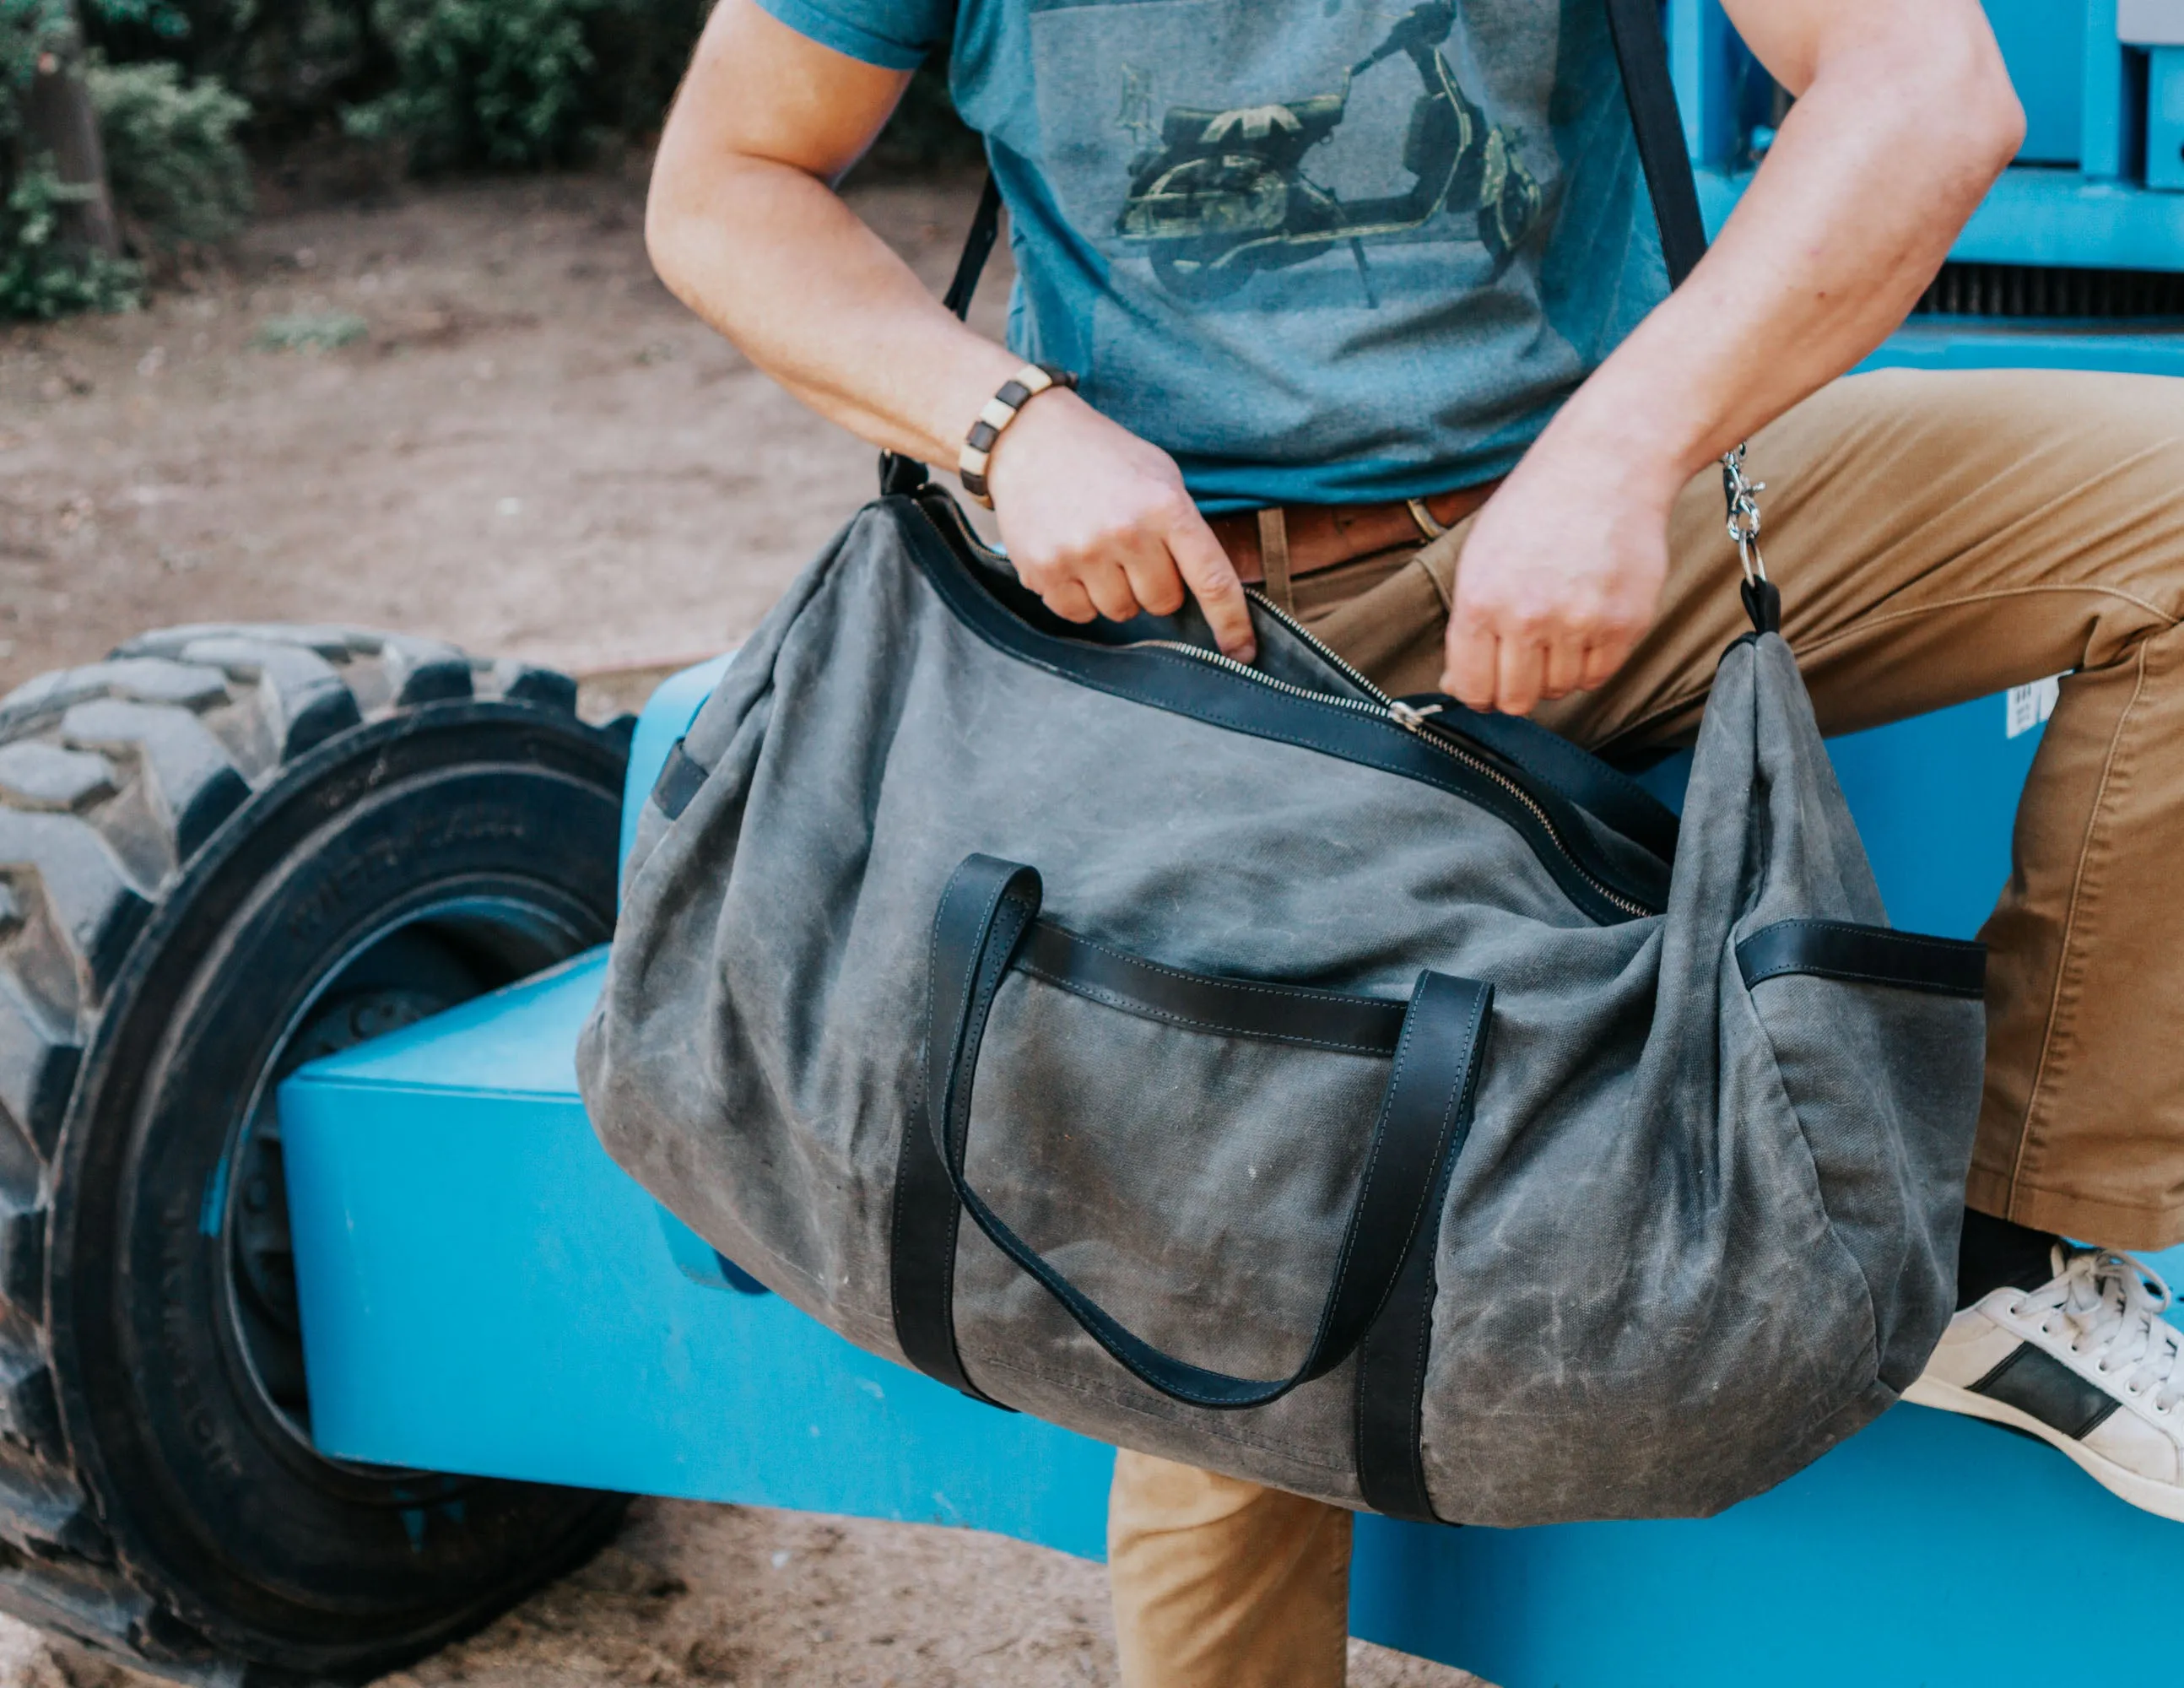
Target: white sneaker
(2087, 1363)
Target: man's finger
(1069, 600)
(1109, 588)
(1565, 668)
(1211, 579)
(1601, 662)
(1153, 579)
(1474, 661)
(1518, 676)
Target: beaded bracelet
(1017, 390)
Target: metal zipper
(1411, 721)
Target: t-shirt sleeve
(895, 34)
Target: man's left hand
(1560, 575)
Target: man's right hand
(1097, 522)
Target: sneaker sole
(2163, 1500)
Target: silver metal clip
(1409, 716)
(1742, 498)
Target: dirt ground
(521, 444)
(695, 1596)
(528, 447)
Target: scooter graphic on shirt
(1224, 195)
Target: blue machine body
(483, 1292)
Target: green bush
(28, 29)
(177, 172)
(39, 278)
(498, 82)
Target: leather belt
(1322, 536)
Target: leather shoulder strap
(1641, 52)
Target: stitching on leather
(1364, 1189)
(1901, 981)
(1414, 1390)
(1132, 1005)
(1886, 934)
(1304, 993)
(924, 1092)
(964, 1062)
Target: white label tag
(2029, 706)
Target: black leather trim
(681, 777)
(2036, 1382)
(1388, 1411)
(983, 916)
(921, 1238)
(1642, 54)
(1597, 786)
(1763, 603)
(1243, 1008)
(1864, 955)
(1160, 677)
(900, 476)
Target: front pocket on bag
(1192, 1183)
(1878, 1037)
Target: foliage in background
(182, 86)
(28, 28)
(499, 82)
(39, 276)
(177, 172)
(459, 84)
(39, 279)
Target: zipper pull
(1410, 719)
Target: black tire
(222, 851)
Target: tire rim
(426, 959)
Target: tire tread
(192, 721)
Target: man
(1331, 275)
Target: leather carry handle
(1642, 54)
(985, 911)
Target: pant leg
(1220, 1584)
(1938, 537)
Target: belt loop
(1274, 558)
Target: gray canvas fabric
(1698, 1234)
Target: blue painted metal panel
(2044, 44)
(483, 1291)
(2035, 216)
(2165, 118)
(2103, 107)
(1936, 343)
(1706, 62)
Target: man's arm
(744, 226)
(1904, 118)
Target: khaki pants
(1937, 537)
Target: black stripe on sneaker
(2036, 1382)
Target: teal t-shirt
(1321, 251)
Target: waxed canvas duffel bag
(1411, 1117)
(1376, 1101)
